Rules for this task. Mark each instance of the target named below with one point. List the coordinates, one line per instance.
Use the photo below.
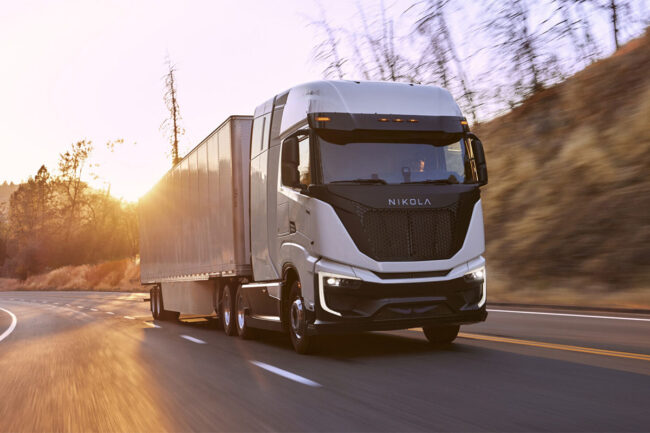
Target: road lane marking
(94, 309)
(287, 374)
(589, 350)
(544, 313)
(153, 325)
(129, 317)
(11, 327)
(67, 305)
(193, 340)
(109, 312)
(80, 306)
(56, 303)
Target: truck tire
(154, 304)
(226, 309)
(441, 335)
(302, 343)
(242, 309)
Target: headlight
(339, 282)
(476, 275)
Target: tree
(71, 166)
(172, 123)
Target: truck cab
(365, 212)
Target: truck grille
(410, 234)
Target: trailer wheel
(302, 343)
(441, 335)
(226, 309)
(242, 309)
(154, 304)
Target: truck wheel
(441, 335)
(154, 303)
(302, 343)
(226, 310)
(242, 309)
(162, 313)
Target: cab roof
(366, 97)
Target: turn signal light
(323, 119)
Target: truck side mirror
(290, 161)
(479, 157)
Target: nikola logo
(408, 202)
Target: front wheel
(441, 335)
(302, 343)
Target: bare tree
(441, 53)
(327, 51)
(172, 123)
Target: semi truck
(338, 207)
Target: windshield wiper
(435, 181)
(377, 181)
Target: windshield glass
(394, 162)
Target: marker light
(463, 122)
(331, 281)
(383, 119)
(413, 120)
(323, 119)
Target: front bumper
(376, 306)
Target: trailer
(339, 206)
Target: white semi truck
(339, 206)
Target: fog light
(331, 281)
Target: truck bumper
(357, 305)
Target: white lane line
(542, 313)
(192, 339)
(109, 312)
(56, 303)
(287, 374)
(129, 317)
(11, 327)
(153, 325)
(94, 309)
(80, 306)
(67, 305)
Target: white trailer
(338, 206)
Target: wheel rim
(297, 318)
(240, 312)
(226, 306)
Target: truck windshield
(395, 162)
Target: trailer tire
(226, 308)
(154, 304)
(302, 342)
(441, 335)
(242, 309)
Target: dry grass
(120, 275)
(568, 204)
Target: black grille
(409, 234)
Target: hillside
(568, 203)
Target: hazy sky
(87, 69)
(84, 69)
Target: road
(84, 361)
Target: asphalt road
(82, 361)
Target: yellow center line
(555, 346)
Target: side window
(304, 166)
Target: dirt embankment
(568, 204)
(120, 275)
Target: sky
(94, 70)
